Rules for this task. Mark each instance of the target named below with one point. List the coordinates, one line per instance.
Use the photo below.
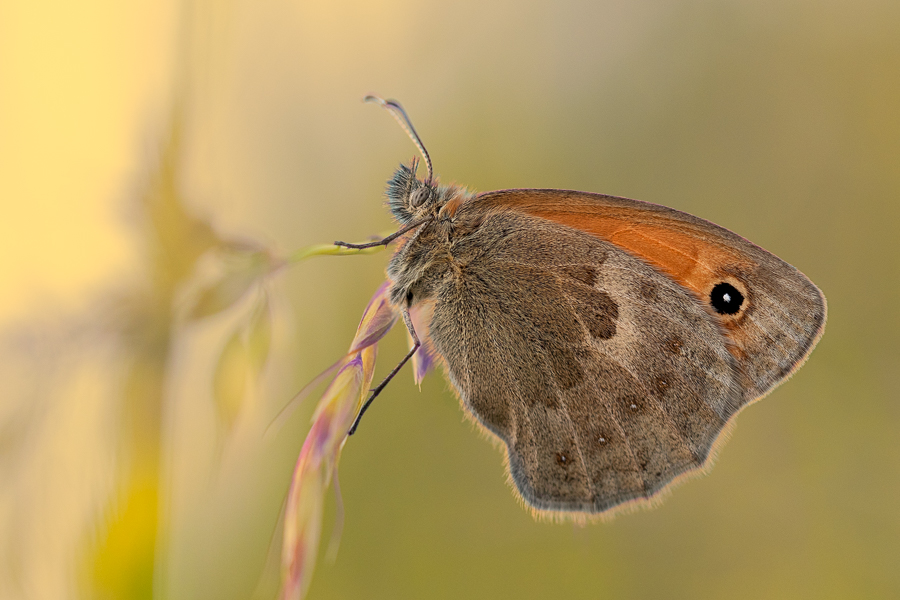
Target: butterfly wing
(605, 378)
(782, 315)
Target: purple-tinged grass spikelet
(317, 463)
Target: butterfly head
(413, 199)
(410, 198)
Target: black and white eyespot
(728, 297)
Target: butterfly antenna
(399, 114)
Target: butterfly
(606, 342)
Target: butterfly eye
(726, 299)
(418, 197)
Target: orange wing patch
(682, 250)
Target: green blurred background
(137, 139)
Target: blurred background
(156, 158)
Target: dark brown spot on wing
(662, 383)
(674, 345)
(633, 402)
(585, 274)
(595, 309)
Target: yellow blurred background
(152, 154)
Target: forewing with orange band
(781, 314)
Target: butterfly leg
(377, 390)
(387, 240)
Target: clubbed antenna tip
(399, 114)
